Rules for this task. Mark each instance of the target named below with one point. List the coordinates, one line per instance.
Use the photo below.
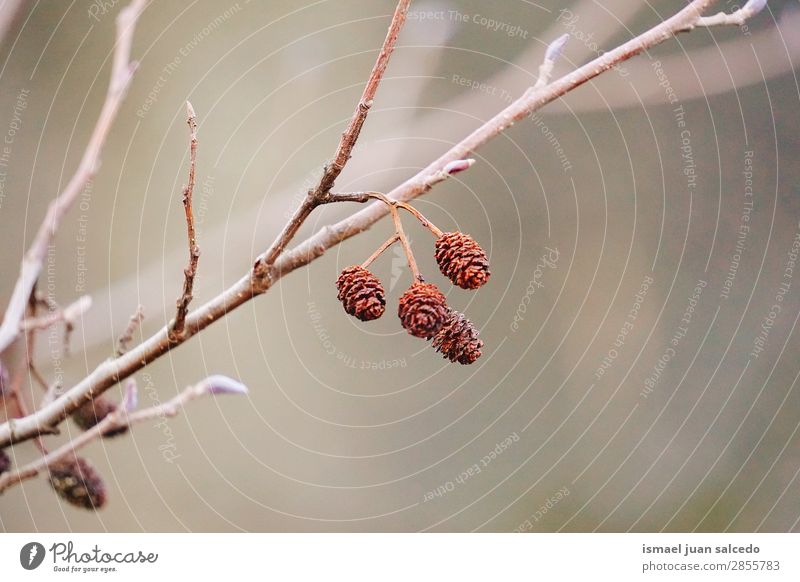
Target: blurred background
(636, 373)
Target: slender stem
(381, 249)
(190, 271)
(320, 194)
(398, 227)
(437, 232)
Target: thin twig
(381, 249)
(437, 232)
(110, 372)
(401, 235)
(69, 315)
(190, 271)
(344, 150)
(124, 417)
(123, 343)
(121, 75)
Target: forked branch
(274, 263)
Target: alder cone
(5, 462)
(361, 293)
(462, 260)
(423, 310)
(92, 412)
(78, 482)
(458, 340)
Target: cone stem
(393, 239)
(437, 232)
(398, 226)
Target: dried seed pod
(423, 310)
(458, 340)
(92, 412)
(5, 462)
(361, 293)
(462, 260)
(78, 482)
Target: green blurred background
(360, 427)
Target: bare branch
(121, 75)
(124, 417)
(331, 172)
(112, 371)
(126, 338)
(194, 251)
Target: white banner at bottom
(401, 557)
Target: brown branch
(123, 417)
(319, 194)
(190, 271)
(112, 371)
(123, 342)
(121, 75)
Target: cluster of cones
(423, 309)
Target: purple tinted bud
(556, 47)
(458, 166)
(218, 384)
(755, 6)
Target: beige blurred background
(350, 427)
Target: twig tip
(556, 47)
(219, 384)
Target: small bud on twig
(219, 384)
(130, 400)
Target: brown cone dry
(458, 340)
(423, 310)
(78, 482)
(361, 293)
(462, 260)
(92, 412)
(5, 462)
